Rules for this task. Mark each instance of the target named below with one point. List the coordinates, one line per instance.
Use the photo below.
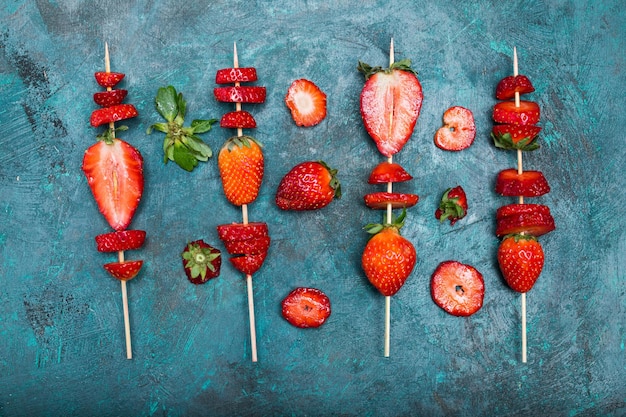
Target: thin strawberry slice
(510, 183)
(506, 112)
(115, 175)
(386, 172)
(235, 75)
(122, 240)
(112, 114)
(250, 246)
(379, 201)
(124, 271)
(110, 97)
(242, 94)
(511, 136)
(240, 119)
(530, 219)
(248, 264)
(240, 231)
(306, 102)
(508, 86)
(457, 288)
(108, 79)
(306, 307)
(458, 131)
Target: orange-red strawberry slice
(122, 240)
(248, 264)
(108, 79)
(124, 271)
(457, 288)
(242, 94)
(379, 200)
(250, 246)
(235, 75)
(458, 131)
(510, 183)
(506, 112)
(531, 219)
(306, 102)
(232, 232)
(508, 86)
(240, 119)
(306, 307)
(109, 98)
(112, 114)
(388, 172)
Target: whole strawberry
(309, 185)
(453, 205)
(521, 261)
(241, 166)
(201, 262)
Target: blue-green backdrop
(61, 326)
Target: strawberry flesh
(240, 119)
(109, 98)
(457, 288)
(508, 86)
(386, 172)
(235, 75)
(458, 131)
(240, 94)
(122, 240)
(510, 183)
(108, 79)
(506, 112)
(306, 307)
(306, 102)
(250, 246)
(531, 219)
(112, 114)
(124, 271)
(380, 200)
(521, 260)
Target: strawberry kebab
(241, 166)
(114, 171)
(390, 105)
(520, 254)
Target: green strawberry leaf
(166, 103)
(202, 126)
(183, 157)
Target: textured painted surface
(61, 328)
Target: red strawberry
(510, 183)
(532, 219)
(241, 166)
(124, 271)
(521, 260)
(310, 185)
(122, 240)
(453, 205)
(235, 75)
(390, 104)
(112, 114)
(248, 264)
(250, 246)
(110, 97)
(240, 119)
(388, 172)
(233, 232)
(510, 136)
(458, 131)
(508, 86)
(242, 94)
(201, 262)
(379, 201)
(457, 288)
(506, 112)
(114, 173)
(306, 102)
(108, 79)
(306, 307)
(388, 258)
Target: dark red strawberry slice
(506, 112)
(240, 231)
(242, 94)
(511, 136)
(251, 246)
(458, 131)
(306, 307)
(530, 219)
(112, 114)
(122, 240)
(379, 200)
(108, 79)
(124, 271)
(510, 183)
(235, 75)
(248, 264)
(457, 288)
(306, 102)
(240, 119)
(110, 97)
(201, 262)
(508, 86)
(386, 172)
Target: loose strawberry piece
(235, 75)
(379, 201)
(457, 288)
(241, 166)
(458, 131)
(506, 112)
(240, 119)
(232, 232)
(508, 86)
(521, 260)
(114, 173)
(122, 240)
(201, 262)
(108, 79)
(110, 97)
(248, 264)
(453, 205)
(124, 271)
(310, 185)
(306, 102)
(112, 114)
(388, 172)
(306, 307)
(511, 136)
(242, 94)
(250, 246)
(390, 104)
(510, 183)
(531, 219)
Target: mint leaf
(166, 103)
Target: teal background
(61, 328)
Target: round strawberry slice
(386, 172)
(240, 119)
(506, 112)
(235, 75)
(122, 240)
(108, 79)
(458, 131)
(511, 183)
(306, 307)
(124, 271)
(306, 102)
(241, 231)
(508, 86)
(379, 200)
(110, 97)
(531, 219)
(201, 262)
(457, 288)
(251, 246)
(241, 94)
(112, 114)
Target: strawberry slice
(510, 136)
(531, 219)
(306, 102)
(124, 271)
(242, 94)
(510, 183)
(114, 173)
(235, 75)
(379, 200)
(240, 231)
(506, 112)
(386, 172)
(122, 240)
(508, 86)
(240, 119)
(248, 264)
(112, 114)
(110, 97)
(457, 288)
(458, 131)
(306, 307)
(250, 246)
(108, 79)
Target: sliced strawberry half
(458, 131)
(108, 79)
(386, 172)
(112, 114)
(506, 112)
(306, 102)
(457, 288)
(110, 97)
(508, 86)
(510, 183)
(240, 119)
(306, 307)
(241, 94)
(122, 240)
(241, 231)
(510, 136)
(530, 219)
(379, 200)
(248, 264)
(124, 271)
(250, 246)
(235, 75)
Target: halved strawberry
(379, 200)
(506, 112)
(531, 219)
(510, 183)
(108, 79)
(235, 75)
(201, 261)
(458, 131)
(508, 86)
(457, 288)
(250, 246)
(124, 271)
(240, 119)
(109, 98)
(122, 240)
(306, 307)
(248, 264)
(306, 102)
(386, 172)
(241, 231)
(242, 94)
(511, 136)
(112, 114)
